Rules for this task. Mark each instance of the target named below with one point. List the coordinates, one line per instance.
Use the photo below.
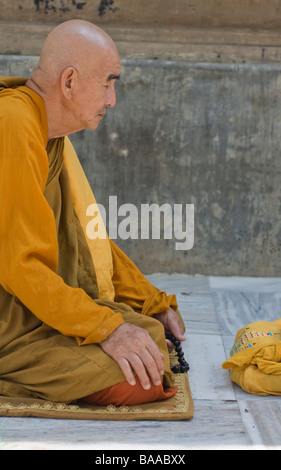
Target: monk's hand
(133, 349)
(173, 325)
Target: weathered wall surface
(202, 135)
(197, 121)
(194, 30)
(190, 13)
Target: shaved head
(74, 43)
(78, 66)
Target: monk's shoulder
(23, 113)
(23, 137)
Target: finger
(177, 330)
(156, 355)
(140, 370)
(154, 366)
(172, 324)
(148, 345)
(170, 345)
(179, 336)
(159, 360)
(127, 371)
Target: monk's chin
(92, 125)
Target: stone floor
(225, 417)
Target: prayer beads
(183, 366)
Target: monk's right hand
(133, 349)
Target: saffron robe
(58, 298)
(255, 358)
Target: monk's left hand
(172, 325)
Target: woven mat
(179, 407)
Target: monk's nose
(111, 98)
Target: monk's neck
(55, 129)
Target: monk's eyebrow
(113, 77)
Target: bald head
(76, 43)
(77, 69)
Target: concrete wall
(187, 13)
(197, 121)
(207, 135)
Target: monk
(78, 320)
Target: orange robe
(51, 313)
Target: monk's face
(96, 91)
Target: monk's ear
(68, 81)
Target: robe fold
(60, 293)
(255, 358)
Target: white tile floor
(225, 417)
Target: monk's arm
(28, 248)
(132, 288)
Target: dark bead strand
(183, 366)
